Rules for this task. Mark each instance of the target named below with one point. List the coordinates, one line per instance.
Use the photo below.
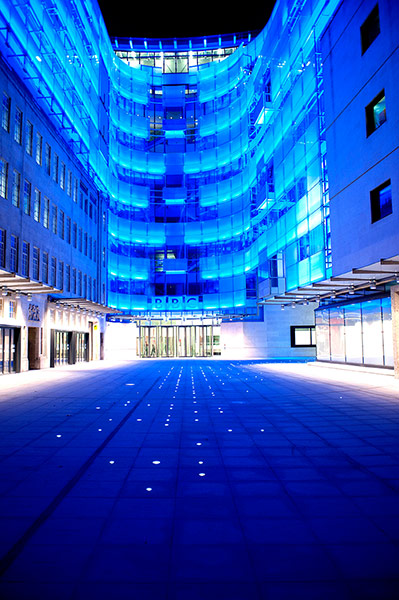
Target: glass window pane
(337, 334)
(372, 332)
(353, 334)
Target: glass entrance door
(8, 362)
(178, 340)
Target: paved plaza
(199, 479)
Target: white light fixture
(29, 296)
(4, 291)
(373, 284)
(352, 289)
(17, 293)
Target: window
(29, 138)
(47, 158)
(46, 213)
(14, 253)
(27, 196)
(39, 148)
(381, 201)
(68, 230)
(370, 29)
(69, 183)
(55, 167)
(16, 188)
(302, 336)
(12, 309)
(74, 280)
(75, 235)
(53, 271)
(375, 113)
(60, 275)
(54, 221)
(3, 178)
(5, 117)
(36, 205)
(2, 248)
(35, 262)
(80, 283)
(76, 191)
(18, 126)
(68, 278)
(45, 267)
(25, 259)
(80, 239)
(62, 177)
(62, 225)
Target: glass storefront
(9, 337)
(161, 341)
(68, 347)
(357, 333)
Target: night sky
(131, 18)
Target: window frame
(310, 328)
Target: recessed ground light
(156, 462)
(201, 474)
(139, 419)
(199, 443)
(111, 462)
(58, 435)
(100, 430)
(148, 489)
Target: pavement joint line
(7, 560)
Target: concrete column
(395, 327)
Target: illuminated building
(206, 163)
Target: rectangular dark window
(18, 126)
(5, 118)
(3, 178)
(381, 201)
(60, 275)
(55, 167)
(68, 278)
(54, 221)
(39, 148)
(375, 113)
(2, 248)
(53, 271)
(25, 259)
(61, 228)
(35, 262)
(14, 253)
(45, 267)
(27, 196)
(46, 213)
(16, 188)
(68, 230)
(370, 29)
(303, 336)
(29, 138)
(36, 205)
(47, 158)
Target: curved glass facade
(210, 152)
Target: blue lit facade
(212, 161)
